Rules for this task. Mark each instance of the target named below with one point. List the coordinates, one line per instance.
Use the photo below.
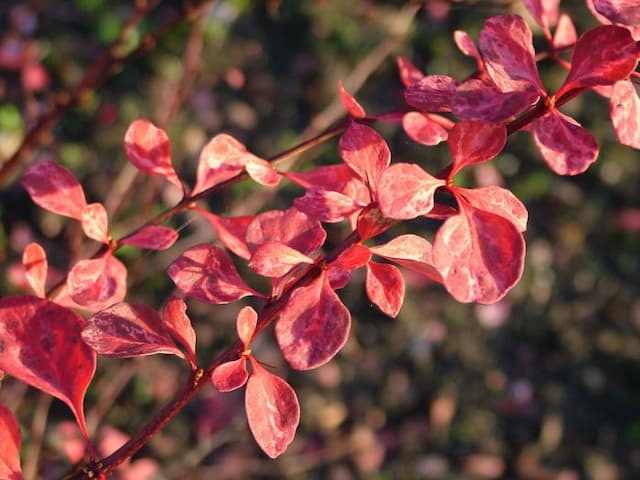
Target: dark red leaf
(472, 142)
(626, 12)
(385, 287)
(406, 191)
(274, 259)
(273, 411)
(174, 317)
(365, 151)
(412, 252)
(128, 330)
(479, 254)
(478, 100)
(567, 148)
(11, 441)
(313, 325)
(423, 129)
(602, 56)
(230, 376)
(499, 201)
(434, 93)
(409, 73)
(152, 237)
(34, 260)
(350, 104)
(98, 283)
(147, 147)
(326, 205)
(246, 325)
(231, 231)
(95, 223)
(40, 344)
(205, 272)
(54, 188)
(625, 113)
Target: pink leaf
(98, 283)
(290, 227)
(478, 100)
(10, 440)
(545, 12)
(95, 222)
(127, 330)
(54, 188)
(602, 56)
(385, 287)
(274, 259)
(372, 222)
(34, 260)
(206, 273)
(479, 254)
(499, 201)
(465, 45)
(313, 325)
(567, 148)
(625, 113)
(246, 325)
(365, 151)
(230, 376)
(412, 252)
(423, 129)
(147, 147)
(262, 172)
(273, 411)
(507, 48)
(434, 93)
(339, 271)
(472, 142)
(152, 237)
(350, 104)
(406, 191)
(409, 73)
(40, 344)
(174, 317)
(231, 231)
(565, 34)
(626, 12)
(327, 206)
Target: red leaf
(34, 260)
(127, 330)
(406, 191)
(339, 271)
(147, 147)
(274, 259)
(567, 148)
(98, 283)
(365, 151)
(246, 325)
(565, 34)
(372, 222)
(602, 56)
(626, 12)
(472, 142)
(273, 411)
(230, 376)
(95, 222)
(206, 273)
(40, 344)
(10, 440)
(327, 206)
(313, 325)
(385, 287)
(54, 188)
(174, 317)
(350, 104)
(423, 129)
(434, 93)
(290, 227)
(262, 172)
(479, 254)
(478, 100)
(409, 73)
(412, 252)
(507, 48)
(231, 231)
(152, 237)
(465, 45)
(545, 12)
(625, 113)
(499, 201)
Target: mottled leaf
(465, 45)
(34, 260)
(231, 231)
(474, 141)
(95, 223)
(499, 201)
(231, 375)
(478, 100)
(545, 12)
(385, 287)
(174, 317)
(327, 206)
(365, 151)
(422, 128)
(410, 251)
(626, 12)
(433, 93)
(274, 259)
(625, 113)
(152, 237)
(262, 172)
(98, 283)
(11, 441)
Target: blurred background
(544, 385)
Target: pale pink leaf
(499, 201)
(147, 147)
(507, 48)
(365, 151)
(326, 205)
(275, 259)
(246, 325)
(350, 104)
(313, 325)
(272, 409)
(602, 56)
(479, 254)
(34, 260)
(174, 317)
(545, 12)
(625, 113)
(41, 345)
(409, 73)
(474, 141)
(205, 272)
(11, 440)
(626, 12)
(230, 376)
(98, 283)
(478, 100)
(565, 33)
(434, 93)
(231, 231)
(262, 172)
(127, 330)
(54, 188)
(406, 191)
(152, 237)
(95, 222)
(465, 45)
(385, 287)
(423, 129)
(567, 148)
(410, 251)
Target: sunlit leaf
(98, 283)
(365, 151)
(10, 440)
(433, 93)
(34, 260)
(625, 113)
(274, 259)
(230, 376)
(174, 317)
(385, 287)
(350, 104)
(95, 222)
(410, 251)
(327, 206)
(152, 237)
(422, 128)
(473, 141)
(545, 12)
(499, 201)
(406, 191)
